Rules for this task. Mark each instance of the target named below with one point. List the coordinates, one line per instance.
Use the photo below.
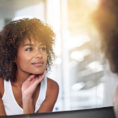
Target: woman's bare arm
(51, 97)
(2, 110)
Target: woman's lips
(38, 64)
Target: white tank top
(9, 101)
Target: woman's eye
(29, 49)
(43, 48)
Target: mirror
(80, 67)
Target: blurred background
(80, 67)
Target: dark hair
(11, 37)
(105, 19)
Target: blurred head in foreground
(105, 19)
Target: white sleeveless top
(9, 101)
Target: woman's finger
(40, 77)
(31, 77)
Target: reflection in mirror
(84, 78)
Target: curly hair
(105, 19)
(11, 37)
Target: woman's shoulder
(52, 84)
(52, 87)
(1, 87)
(52, 90)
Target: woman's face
(31, 57)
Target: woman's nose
(38, 54)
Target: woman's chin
(38, 73)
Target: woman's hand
(28, 88)
(30, 84)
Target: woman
(26, 54)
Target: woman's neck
(21, 77)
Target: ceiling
(17, 4)
(8, 7)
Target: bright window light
(78, 86)
(79, 55)
(93, 3)
(95, 66)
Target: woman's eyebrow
(28, 44)
(42, 45)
